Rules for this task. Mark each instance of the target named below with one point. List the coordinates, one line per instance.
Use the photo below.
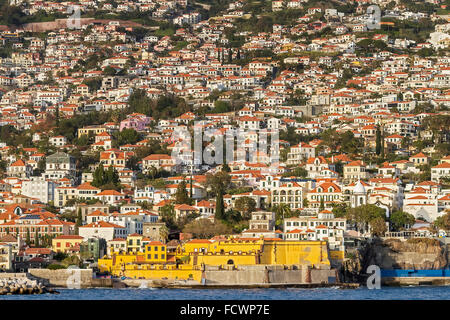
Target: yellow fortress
(188, 261)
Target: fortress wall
(275, 274)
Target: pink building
(135, 121)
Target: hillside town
(115, 128)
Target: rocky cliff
(412, 254)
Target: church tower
(359, 196)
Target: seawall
(243, 275)
(75, 278)
(246, 276)
(268, 274)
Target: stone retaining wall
(75, 278)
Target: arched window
(230, 261)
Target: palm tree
(281, 211)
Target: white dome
(359, 188)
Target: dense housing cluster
(99, 118)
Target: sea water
(333, 293)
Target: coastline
(244, 294)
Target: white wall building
(39, 188)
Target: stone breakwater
(23, 286)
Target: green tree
(79, 221)
(340, 210)
(226, 168)
(158, 183)
(93, 84)
(140, 102)
(322, 204)
(220, 207)
(99, 176)
(60, 256)
(28, 237)
(57, 116)
(399, 219)
(305, 203)
(164, 233)
(282, 211)
(442, 222)
(191, 189)
(378, 142)
(232, 217)
(181, 195)
(109, 71)
(221, 107)
(205, 228)
(112, 176)
(290, 135)
(82, 141)
(128, 136)
(378, 226)
(297, 172)
(218, 183)
(167, 214)
(72, 261)
(362, 216)
(246, 206)
(36, 239)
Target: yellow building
(134, 249)
(189, 259)
(118, 245)
(247, 251)
(91, 130)
(136, 243)
(155, 252)
(66, 243)
(6, 256)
